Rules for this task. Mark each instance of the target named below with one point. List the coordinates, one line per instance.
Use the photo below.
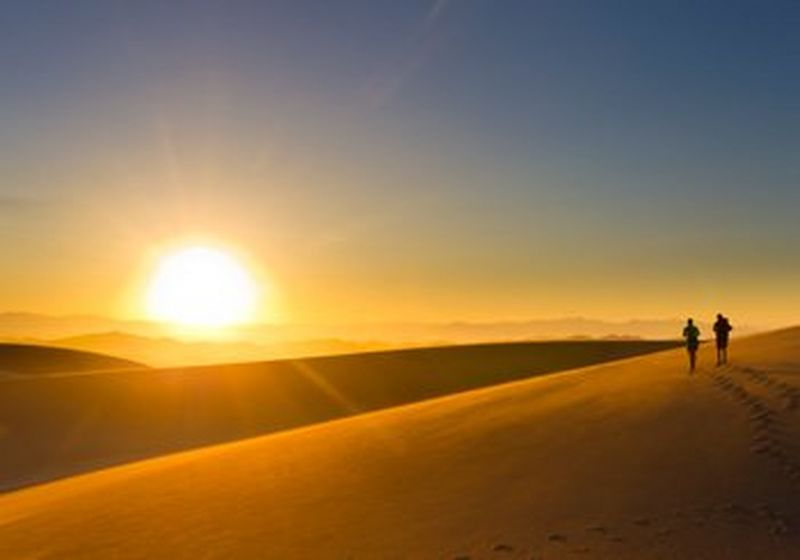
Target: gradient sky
(407, 160)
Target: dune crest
(35, 359)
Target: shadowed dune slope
(57, 426)
(29, 359)
(629, 460)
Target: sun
(203, 287)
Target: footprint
(762, 415)
(502, 548)
(778, 454)
(779, 529)
(617, 539)
(733, 509)
(556, 537)
(664, 532)
(702, 510)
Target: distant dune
(628, 460)
(59, 426)
(169, 352)
(30, 359)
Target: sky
(427, 160)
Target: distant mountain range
(156, 345)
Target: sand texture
(628, 460)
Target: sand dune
(169, 352)
(30, 359)
(634, 459)
(64, 425)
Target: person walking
(692, 335)
(722, 330)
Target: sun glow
(201, 286)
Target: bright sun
(201, 286)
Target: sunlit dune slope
(58, 426)
(30, 359)
(628, 460)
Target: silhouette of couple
(722, 330)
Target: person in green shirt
(692, 335)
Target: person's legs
(692, 358)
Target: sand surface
(633, 459)
(64, 424)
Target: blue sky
(472, 159)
